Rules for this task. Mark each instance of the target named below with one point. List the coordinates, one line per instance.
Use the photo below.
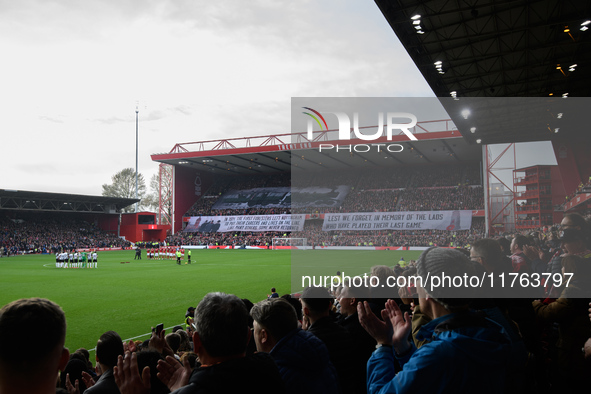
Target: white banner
(402, 221)
(224, 224)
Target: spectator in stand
(149, 358)
(574, 221)
(521, 264)
(71, 376)
(349, 297)
(570, 311)
(84, 355)
(316, 307)
(573, 242)
(454, 337)
(512, 302)
(273, 293)
(174, 342)
(505, 245)
(190, 318)
(220, 341)
(303, 359)
(108, 348)
(384, 284)
(29, 361)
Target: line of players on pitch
(73, 259)
(167, 252)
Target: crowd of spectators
(315, 236)
(583, 187)
(446, 199)
(235, 239)
(438, 188)
(345, 337)
(31, 234)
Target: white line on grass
(139, 336)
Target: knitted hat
(445, 275)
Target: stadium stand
(50, 233)
(447, 187)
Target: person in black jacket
(316, 305)
(303, 359)
(220, 340)
(108, 348)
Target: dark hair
(74, 369)
(276, 315)
(295, 302)
(248, 304)
(505, 245)
(360, 293)
(221, 320)
(317, 299)
(108, 348)
(185, 341)
(174, 341)
(577, 220)
(149, 358)
(491, 252)
(84, 352)
(20, 322)
(521, 241)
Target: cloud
(111, 120)
(50, 119)
(183, 109)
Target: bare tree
(123, 185)
(161, 193)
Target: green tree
(123, 185)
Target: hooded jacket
(465, 353)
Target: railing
(425, 127)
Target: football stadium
(332, 235)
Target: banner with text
(224, 224)
(283, 197)
(420, 220)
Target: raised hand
(173, 374)
(87, 379)
(71, 389)
(158, 342)
(380, 330)
(401, 326)
(127, 375)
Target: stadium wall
(133, 231)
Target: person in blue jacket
(465, 352)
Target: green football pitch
(132, 297)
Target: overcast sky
(73, 71)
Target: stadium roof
(501, 70)
(438, 142)
(492, 49)
(60, 202)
